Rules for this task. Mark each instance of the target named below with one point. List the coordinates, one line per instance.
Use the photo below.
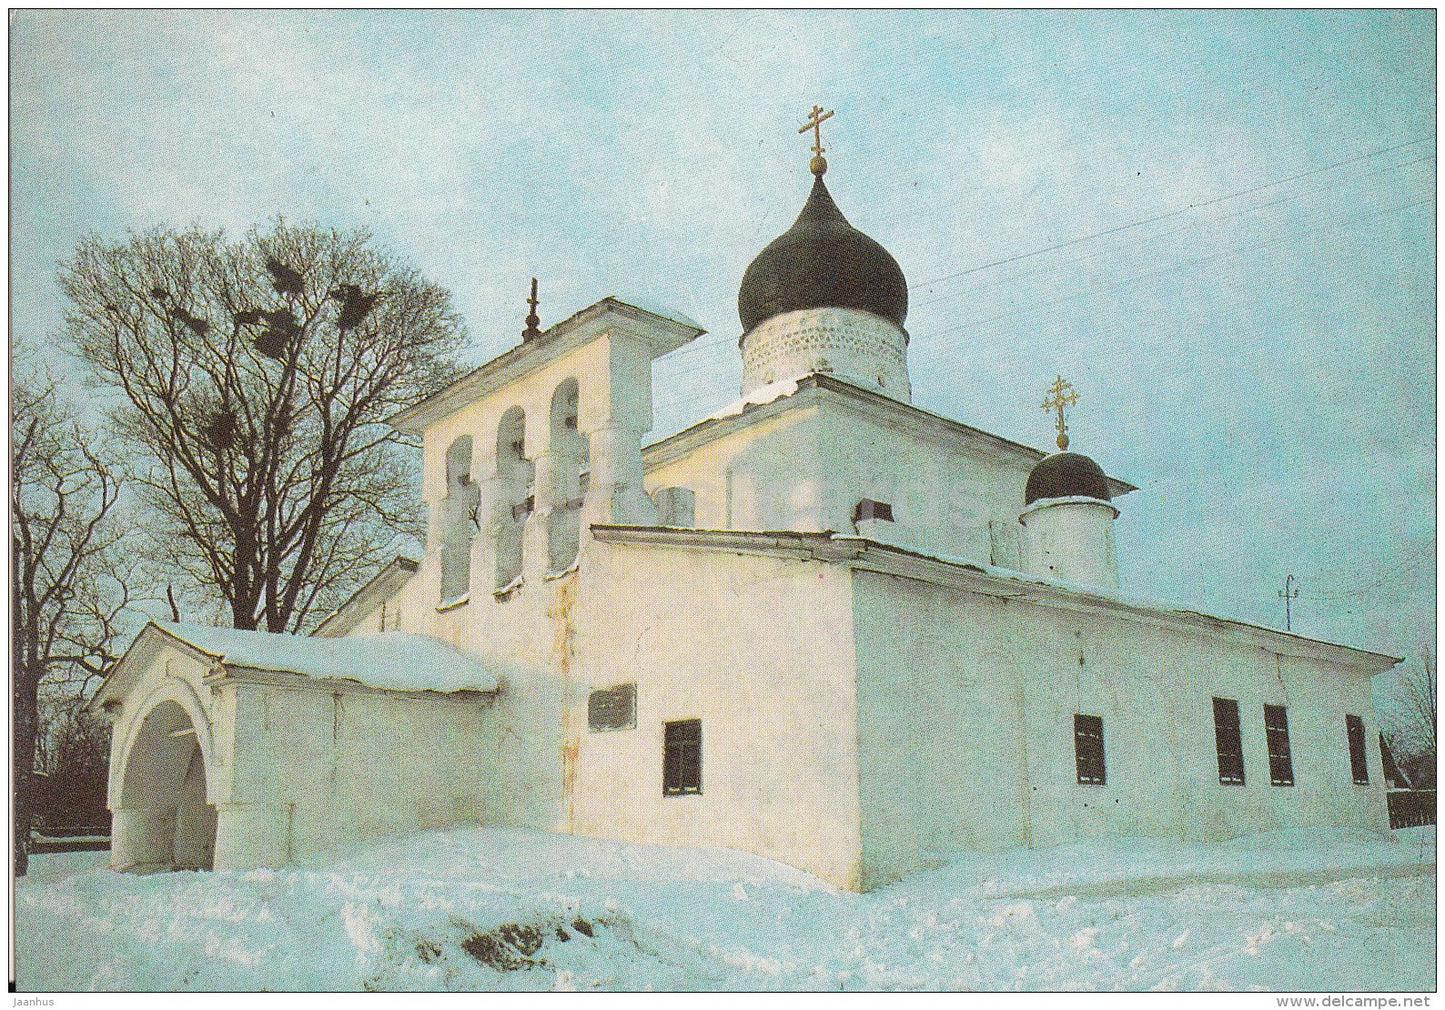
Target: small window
(1276, 733)
(682, 757)
(1227, 742)
(1089, 749)
(612, 708)
(870, 509)
(1355, 730)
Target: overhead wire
(1178, 211)
(718, 343)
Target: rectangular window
(1355, 730)
(612, 708)
(1276, 733)
(682, 757)
(1227, 742)
(1089, 749)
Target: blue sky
(1258, 356)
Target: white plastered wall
(527, 636)
(759, 649)
(806, 469)
(330, 763)
(986, 690)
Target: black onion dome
(1066, 475)
(822, 261)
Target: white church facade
(823, 625)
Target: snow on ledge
(392, 660)
(763, 394)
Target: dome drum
(851, 344)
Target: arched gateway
(234, 749)
(163, 820)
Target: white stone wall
(294, 769)
(865, 349)
(984, 692)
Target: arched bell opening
(163, 821)
(569, 458)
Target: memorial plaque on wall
(612, 708)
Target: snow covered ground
(504, 909)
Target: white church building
(823, 625)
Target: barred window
(612, 708)
(1227, 742)
(1276, 733)
(682, 757)
(1089, 749)
(1355, 731)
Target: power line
(1177, 212)
(715, 342)
(1254, 209)
(1090, 291)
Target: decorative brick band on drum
(850, 343)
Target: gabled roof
(394, 661)
(380, 587)
(554, 342)
(775, 398)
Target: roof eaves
(463, 390)
(834, 547)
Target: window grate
(1276, 733)
(1089, 749)
(1355, 731)
(1227, 742)
(682, 757)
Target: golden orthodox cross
(1060, 395)
(819, 164)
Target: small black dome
(1066, 475)
(822, 261)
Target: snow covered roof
(382, 586)
(394, 661)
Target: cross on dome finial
(819, 164)
(531, 332)
(1060, 395)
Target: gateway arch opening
(163, 821)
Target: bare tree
(256, 375)
(67, 596)
(1410, 715)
